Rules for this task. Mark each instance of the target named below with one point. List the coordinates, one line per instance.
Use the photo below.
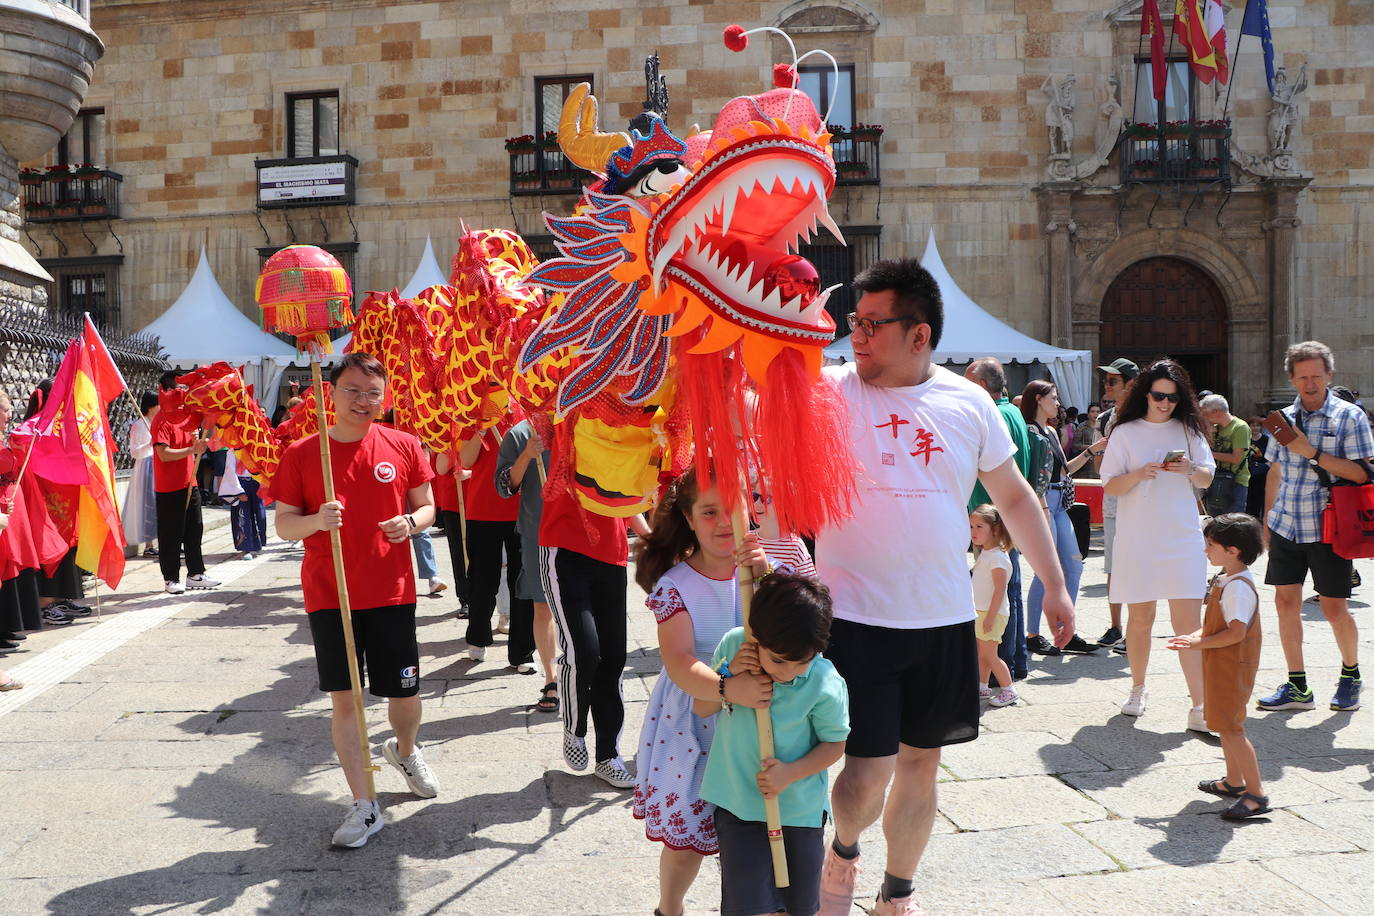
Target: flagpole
(1135, 74)
(1235, 61)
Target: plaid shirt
(1338, 428)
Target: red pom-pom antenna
(735, 39)
(304, 291)
(784, 76)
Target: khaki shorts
(999, 626)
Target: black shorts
(912, 687)
(746, 868)
(386, 644)
(1290, 561)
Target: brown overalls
(1228, 673)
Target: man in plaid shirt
(1332, 437)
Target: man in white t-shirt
(903, 634)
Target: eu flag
(1257, 23)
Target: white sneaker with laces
(363, 820)
(174, 588)
(984, 691)
(1135, 703)
(1004, 697)
(437, 585)
(419, 776)
(477, 653)
(201, 581)
(1197, 722)
(615, 773)
(503, 623)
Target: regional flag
(1152, 24)
(1191, 30)
(1215, 26)
(1256, 22)
(109, 381)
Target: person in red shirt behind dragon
(381, 480)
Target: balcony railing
(539, 167)
(71, 195)
(307, 181)
(1191, 153)
(857, 156)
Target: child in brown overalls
(1230, 644)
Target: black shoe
(1020, 674)
(6, 645)
(74, 609)
(1077, 645)
(462, 612)
(1040, 646)
(1119, 648)
(1111, 637)
(13, 637)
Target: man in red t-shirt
(381, 482)
(177, 446)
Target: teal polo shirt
(1020, 437)
(811, 709)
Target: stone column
(1056, 208)
(1284, 308)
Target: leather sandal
(12, 684)
(1220, 788)
(1240, 811)
(548, 699)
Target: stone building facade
(987, 140)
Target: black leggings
(587, 598)
(453, 533)
(485, 543)
(179, 528)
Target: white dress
(674, 741)
(1158, 552)
(139, 512)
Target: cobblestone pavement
(172, 757)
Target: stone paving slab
(1232, 888)
(1162, 791)
(994, 804)
(1341, 881)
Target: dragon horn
(577, 133)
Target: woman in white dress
(1156, 456)
(139, 513)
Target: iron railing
(68, 196)
(1176, 155)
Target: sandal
(548, 698)
(1220, 788)
(12, 684)
(1240, 811)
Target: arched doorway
(1168, 307)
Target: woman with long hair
(1040, 406)
(1156, 458)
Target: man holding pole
(382, 497)
(177, 446)
(903, 634)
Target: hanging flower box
(870, 132)
(88, 172)
(66, 209)
(37, 211)
(526, 180)
(1144, 168)
(1141, 131)
(560, 178)
(549, 141)
(30, 177)
(1214, 130)
(1177, 130)
(851, 169)
(58, 172)
(95, 207)
(838, 132)
(1206, 168)
(521, 144)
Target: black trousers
(19, 603)
(453, 533)
(65, 581)
(587, 598)
(486, 542)
(179, 528)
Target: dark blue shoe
(1347, 698)
(1288, 697)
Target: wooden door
(1168, 307)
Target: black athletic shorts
(385, 640)
(746, 868)
(912, 687)
(1289, 562)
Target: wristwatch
(410, 520)
(1316, 455)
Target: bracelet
(729, 707)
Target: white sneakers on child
(1004, 697)
(1135, 703)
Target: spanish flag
(1190, 28)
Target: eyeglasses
(356, 394)
(1159, 397)
(870, 326)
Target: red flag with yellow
(1190, 27)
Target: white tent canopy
(971, 333)
(203, 326)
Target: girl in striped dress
(687, 565)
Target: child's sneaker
(1135, 703)
(984, 692)
(1004, 697)
(897, 906)
(838, 876)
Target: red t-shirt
(173, 431)
(480, 499)
(371, 479)
(444, 486)
(567, 526)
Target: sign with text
(308, 181)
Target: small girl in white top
(991, 571)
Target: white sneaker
(364, 819)
(477, 653)
(615, 773)
(201, 581)
(246, 556)
(984, 691)
(1197, 722)
(437, 585)
(1135, 704)
(503, 623)
(174, 588)
(419, 776)
(1004, 697)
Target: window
(1178, 93)
(840, 264)
(822, 86)
(550, 92)
(88, 284)
(312, 124)
(85, 141)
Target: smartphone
(1174, 455)
(1277, 425)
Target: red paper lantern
(305, 292)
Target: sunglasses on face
(1160, 397)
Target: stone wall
(195, 92)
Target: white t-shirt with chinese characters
(983, 587)
(1241, 602)
(901, 561)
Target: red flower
(671, 799)
(735, 39)
(699, 806)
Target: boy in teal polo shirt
(790, 618)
